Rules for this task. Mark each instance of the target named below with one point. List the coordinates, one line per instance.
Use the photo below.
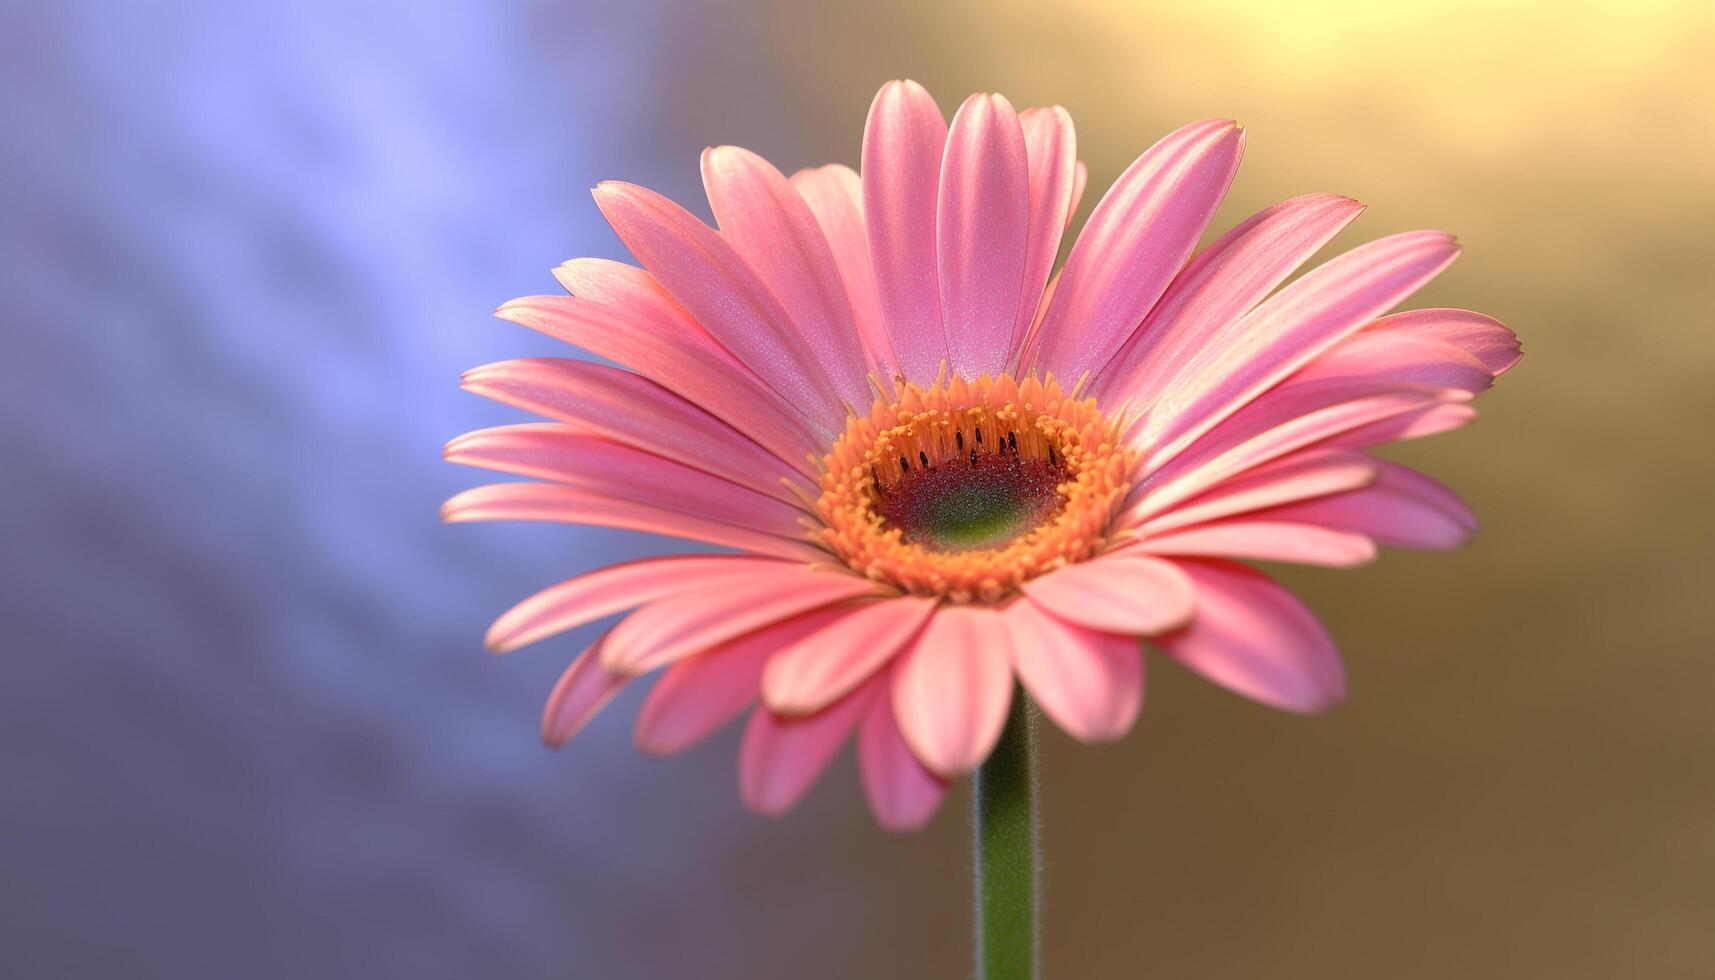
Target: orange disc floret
(968, 488)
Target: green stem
(1003, 810)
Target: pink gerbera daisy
(944, 468)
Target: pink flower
(945, 468)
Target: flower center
(968, 488)
(980, 501)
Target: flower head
(944, 469)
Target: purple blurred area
(249, 729)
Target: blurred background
(246, 724)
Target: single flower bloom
(944, 467)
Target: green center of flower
(981, 500)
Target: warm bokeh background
(248, 729)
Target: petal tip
(762, 795)
(723, 158)
(781, 691)
(653, 743)
(609, 192)
(1176, 622)
(764, 807)
(554, 735)
(511, 309)
(655, 750)
(900, 90)
(1329, 699)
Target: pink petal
(1198, 313)
(1255, 539)
(781, 757)
(714, 377)
(1286, 331)
(707, 278)
(1416, 424)
(630, 409)
(1052, 147)
(835, 195)
(1116, 593)
(1088, 681)
(817, 669)
(575, 505)
(684, 625)
(1403, 509)
(699, 694)
(902, 148)
(1484, 337)
(953, 688)
(680, 356)
(772, 229)
(550, 451)
(603, 592)
(902, 792)
(1403, 359)
(982, 234)
(1254, 638)
(583, 690)
(1136, 241)
(1298, 476)
(1286, 419)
